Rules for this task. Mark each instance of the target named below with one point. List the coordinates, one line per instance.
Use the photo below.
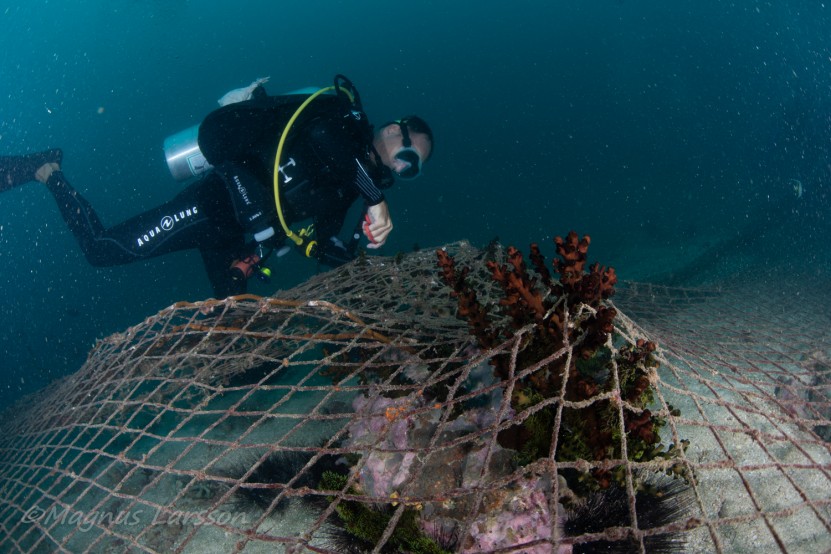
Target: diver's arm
(349, 156)
(366, 185)
(379, 223)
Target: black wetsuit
(327, 166)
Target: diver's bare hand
(379, 224)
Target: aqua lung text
(166, 224)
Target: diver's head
(404, 145)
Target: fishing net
(359, 413)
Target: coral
(391, 431)
(363, 525)
(383, 425)
(508, 516)
(569, 312)
(545, 305)
(635, 363)
(392, 428)
(516, 515)
(469, 307)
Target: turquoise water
(669, 125)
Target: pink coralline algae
(514, 517)
(389, 432)
(382, 429)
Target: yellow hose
(297, 239)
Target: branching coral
(552, 338)
(570, 312)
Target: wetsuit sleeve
(369, 190)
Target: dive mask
(412, 161)
(407, 155)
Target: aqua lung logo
(166, 224)
(242, 190)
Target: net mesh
(357, 413)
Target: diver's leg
(16, 170)
(78, 214)
(186, 222)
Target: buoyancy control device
(186, 159)
(181, 150)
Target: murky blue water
(658, 123)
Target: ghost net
(358, 413)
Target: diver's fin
(16, 170)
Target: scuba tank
(184, 158)
(181, 150)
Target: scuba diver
(266, 162)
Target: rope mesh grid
(160, 441)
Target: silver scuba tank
(181, 150)
(184, 159)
